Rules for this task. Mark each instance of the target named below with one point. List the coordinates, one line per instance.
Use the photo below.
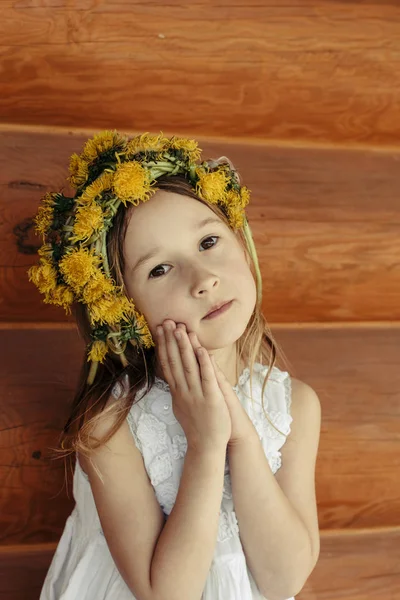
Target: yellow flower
(44, 276)
(132, 183)
(79, 170)
(97, 287)
(95, 189)
(45, 215)
(145, 334)
(232, 198)
(146, 141)
(110, 309)
(137, 320)
(98, 351)
(77, 267)
(212, 186)
(102, 141)
(235, 216)
(89, 220)
(244, 196)
(190, 147)
(46, 250)
(63, 296)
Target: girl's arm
(277, 515)
(185, 549)
(157, 559)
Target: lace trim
(227, 525)
(288, 393)
(132, 427)
(161, 449)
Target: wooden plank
(356, 565)
(293, 70)
(353, 565)
(23, 569)
(326, 223)
(354, 370)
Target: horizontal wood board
(353, 370)
(297, 70)
(326, 224)
(353, 565)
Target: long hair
(256, 344)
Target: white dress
(83, 568)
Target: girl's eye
(160, 266)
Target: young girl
(178, 425)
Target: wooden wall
(303, 97)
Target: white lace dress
(83, 568)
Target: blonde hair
(256, 344)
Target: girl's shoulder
(278, 389)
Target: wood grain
(296, 71)
(354, 370)
(326, 224)
(353, 565)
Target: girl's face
(176, 269)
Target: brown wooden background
(304, 98)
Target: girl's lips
(220, 311)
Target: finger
(190, 362)
(208, 379)
(207, 371)
(174, 356)
(163, 355)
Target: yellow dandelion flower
(89, 220)
(98, 286)
(212, 186)
(142, 329)
(190, 147)
(244, 196)
(98, 351)
(132, 183)
(94, 190)
(146, 141)
(235, 216)
(146, 336)
(79, 170)
(45, 215)
(63, 296)
(46, 250)
(77, 267)
(102, 141)
(44, 276)
(111, 310)
(232, 198)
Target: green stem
(104, 253)
(92, 372)
(253, 252)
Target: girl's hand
(198, 402)
(242, 427)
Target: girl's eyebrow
(156, 249)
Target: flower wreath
(73, 264)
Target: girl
(176, 482)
